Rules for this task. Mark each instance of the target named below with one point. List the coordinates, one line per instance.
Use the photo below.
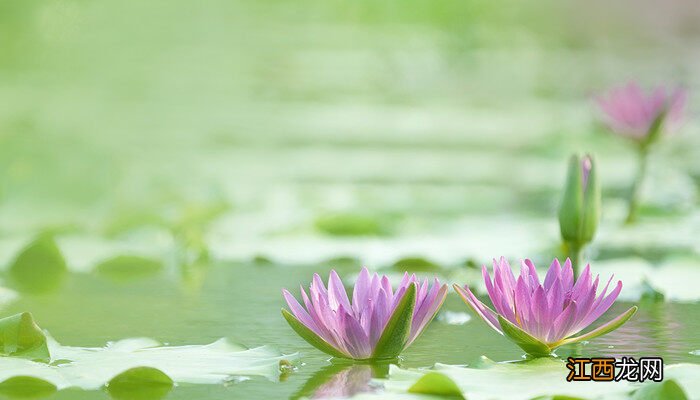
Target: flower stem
(635, 192)
(574, 253)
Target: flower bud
(579, 212)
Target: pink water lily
(632, 113)
(378, 323)
(540, 316)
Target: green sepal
(601, 330)
(527, 342)
(591, 205)
(571, 208)
(398, 328)
(655, 130)
(310, 336)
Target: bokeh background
(231, 148)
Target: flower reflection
(342, 380)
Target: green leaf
(93, 368)
(601, 330)
(347, 224)
(39, 267)
(398, 328)
(666, 390)
(311, 337)
(140, 383)
(523, 339)
(26, 387)
(416, 264)
(21, 337)
(437, 384)
(129, 267)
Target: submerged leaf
(21, 337)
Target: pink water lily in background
(631, 112)
(542, 315)
(379, 322)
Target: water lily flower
(633, 114)
(643, 118)
(541, 316)
(378, 324)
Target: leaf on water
(39, 267)
(140, 383)
(121, 364)
(342, 224)
(666, 390)
(129, 267)
(21, 337)
(540, 378)
(416, 264)
(437, 384)
(26, 387)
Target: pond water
(243, 301)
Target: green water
(243, 301)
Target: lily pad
(345, 224)
(542, 378)
(26, 387)
(666, 390)
(39, 267)
(129, 267)
(438, 384)
(21, 337)
(120, 364)
(140, 383)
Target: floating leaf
(140, 383)
(342, 224)
(121, 364)
(129, 267)
(21, 337)
(438, 384)
(39, 267)
(666, 390)
(415, 264)
(26, 387)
